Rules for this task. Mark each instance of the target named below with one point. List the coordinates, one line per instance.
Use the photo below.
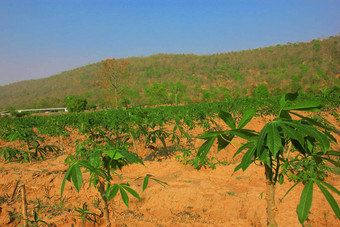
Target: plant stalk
(24, 204)
(270, 197)
(106, 207)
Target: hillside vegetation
(188, 78)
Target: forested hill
(311, 66)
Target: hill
(311, 66)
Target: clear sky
(40, 38)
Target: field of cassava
(247, 162)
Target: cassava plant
(297, 149)
(102, 158)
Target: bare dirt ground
(193, 197)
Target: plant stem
(134, 143)
(106, 207)
(24, 204)
(270, 197)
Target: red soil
(193, 197)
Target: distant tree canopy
(308, 66)
(111, 75)
(75, 104)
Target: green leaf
(205, 148)
(77, 178)
(132, 158)
(208, 135)
(312, 132)
(113, 154)
(73, 174)
(315, 122)
(285, 114)
(273, 139)
(131, 191)
(247, 159)
(243, 147)
(291, 96)
(283, 101)
(124, 195)
(261, 139)
(112, 192)
(291, 133)
(146, 181)
(243, 133)
(228, 119)
(246, 118)
(330, 187)
(312, 106)
(305, 202)
(66, 177)
(224, 140)
(330, 200)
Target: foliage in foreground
(291, 146)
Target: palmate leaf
(112, 192)
(330, 198)
(312, 132)
(291, 133)
(312, 106)
(305, 202)
(205, 148)
(246, 118)
(228, 119)
(273, 139)
(243, 147)
(315, 122)
(73, 174)
(246, 160)
(261, 139)
(146, 181)
(131, 191)
(124, 196)
(208, 135)
(223, 141)
(132, 158)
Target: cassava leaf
(112, 192)
(330, 187)
(273, 139)
(246, 118)
(146, 181)
(77, 177)
(330, 199)
(228, 119)
(124, 195)
(224, 140)
(205, 148)
(312, 106)
(131, 191)
(247, 159)
(305, 202)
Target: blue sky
(40, 38)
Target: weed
(230, 193)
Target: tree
(177, 91)
(111, 75)
(75, 104)
(157, 93)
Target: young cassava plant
(297, 149)
(102, 160)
